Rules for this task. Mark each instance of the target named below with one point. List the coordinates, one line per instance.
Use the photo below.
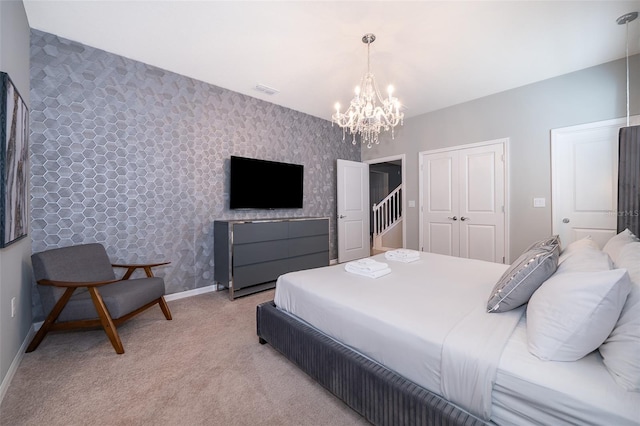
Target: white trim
(465, 146)
(403, 166)
(13, 368)
(506, 164)
(621, 122)
(189, 293)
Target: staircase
(387, 221)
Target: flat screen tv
(262, 184)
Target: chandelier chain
(624, 20)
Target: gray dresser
(250, 255)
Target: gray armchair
(79, 289)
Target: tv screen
(261, 184)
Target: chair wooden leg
(105, 319)
(165, 308)
(51, 318)
(127, 274)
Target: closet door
(439, 195)
(481, 195)
(462, 196)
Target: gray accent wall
(137, 158)
(526, 115)
(15, 265)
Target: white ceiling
(435, 53)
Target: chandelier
(368, 113)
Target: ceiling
(435, 53)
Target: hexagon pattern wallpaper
(137, 158)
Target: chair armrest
(138, 265)
(133, 266)
(76, 284)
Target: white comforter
(426, 320)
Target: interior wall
(394, 171)
(137, 158)
(526, 116)
(15, 265)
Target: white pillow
(571, 314)
(621, 350)
(577, 245)
(629, 259)
(615, 244)
(584, 258)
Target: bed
(417, 346)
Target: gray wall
(526, 115)
(15, 266)
(393, 170)
(137, 158)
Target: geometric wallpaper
(137, 158)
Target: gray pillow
(523, 278)
(553, 241)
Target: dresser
(249, 255)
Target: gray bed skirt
(378, 394)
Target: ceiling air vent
(266, 89)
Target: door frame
(505, 145)
(403, 176)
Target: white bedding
(426, 320)
(401, 319)
(529, 391)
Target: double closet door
(462, 196)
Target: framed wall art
(14, 170)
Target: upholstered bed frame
(378, 394)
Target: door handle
(462, 218)
(453, 218)
(566, 220)
(341, 216)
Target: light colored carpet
(205, 367)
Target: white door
(440, 216)
(353, 210)
(584, 170)
(482, 200)
(462, 195)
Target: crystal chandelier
(368, 114)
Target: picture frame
(14, 168)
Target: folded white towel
(401, 259)
(373, 274)
(403, 253)
(367, 265)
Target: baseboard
(16, 362)
(189, 293)
(169, 297)
(4, 386)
